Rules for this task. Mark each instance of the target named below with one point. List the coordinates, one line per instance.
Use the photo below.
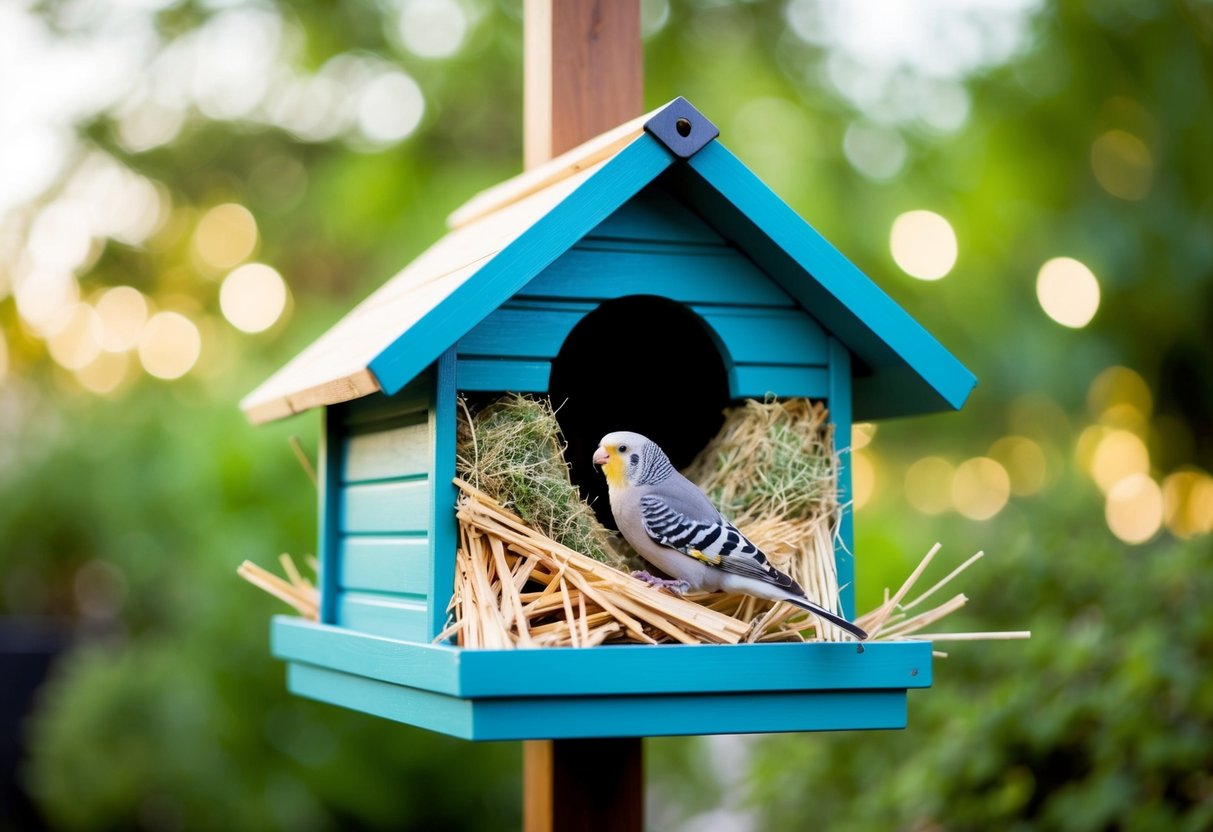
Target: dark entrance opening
(640, 363)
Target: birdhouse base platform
(608, 691)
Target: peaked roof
(505, 236)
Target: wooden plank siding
(380, 613)
(378, 550)
(767, 351)
(839, 401)
(385, 563)
(392, 507)
(908, 371)
(604, 270)
(522, 330)
(656, 245)
(444, 528)
(653, 245)
(656, 215)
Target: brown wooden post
(584, 74)
(592, 785)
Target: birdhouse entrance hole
(639, 363)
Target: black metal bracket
(681, 128)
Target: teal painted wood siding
(790, 317)
(653, 245)
(444, 528)
(379, 543)
(654, 215)
(620, 670)
(604, 716)
(656, 245)
(840, 415)
(608, 691)
(909, 371)
(685, 273)
(502, 276)
(386, 563)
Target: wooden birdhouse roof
(505, 236)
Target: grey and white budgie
(672, 525)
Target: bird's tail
(822, 612)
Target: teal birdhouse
(650, 241)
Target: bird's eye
(623, 449)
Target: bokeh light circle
(1134, 509)
(253, 297)
(980, 488)
(863, 478)
(170, 346)
(226, 235)
(923, 244)
(1068, 292)
(929, 485)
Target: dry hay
(534, 566)
(512, 451)
(514, 586)
(524, 579)
(772, 470)
(297, 591)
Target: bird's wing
(711, 540)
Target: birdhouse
(646, 279)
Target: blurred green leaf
(126, 513)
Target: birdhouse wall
(382, 528)
(656, 246)
(516, 298)
(388, 537)
(653, 246)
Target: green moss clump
(771, 459)
(513, 451)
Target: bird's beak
(601, 457)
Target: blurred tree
(169, 714)
(184, 141)
(1103, 720)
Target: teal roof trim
(509, 270)
(511, 233)
(907, 371)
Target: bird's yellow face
(619, 456)
(614, 468)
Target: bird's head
(624, 457)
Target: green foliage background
(127, 514)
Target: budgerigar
(672, 525)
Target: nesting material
(516, 587)
(295, 590)
(522, 579)
(513, 450)
(773, 470)
(893, 621)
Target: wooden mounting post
(584, 74)
(594, 785)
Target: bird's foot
(675, 587)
